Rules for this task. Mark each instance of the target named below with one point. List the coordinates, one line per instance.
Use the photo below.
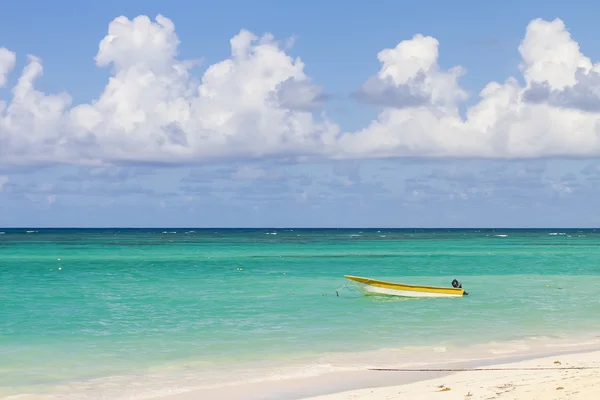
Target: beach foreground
(563, 375)
(559, 380)
(572, 376)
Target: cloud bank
(259, 103)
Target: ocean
(104, 313)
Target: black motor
(456, 284)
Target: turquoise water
(86, 305)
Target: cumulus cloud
(259, 102)
(410, 77)
(299, 95)
(153, 109)
(505, 122)
(584, 95)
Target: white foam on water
(190, 376)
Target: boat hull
(372, 287)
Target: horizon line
(283, 227)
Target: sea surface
(140, 312)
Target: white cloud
(3, 181)
(504, 123)
(7, 63)
(299, 95)
(410, 77)
(152, 109)
(259, 102)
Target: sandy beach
(549, 378)
(566, 376)
(573, 375)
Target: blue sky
(344, 139)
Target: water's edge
(339, 382)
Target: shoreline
(575, 376)
(372, 384)
(330, 375)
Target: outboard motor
(456, 284)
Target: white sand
(555, 381)
(558, 383)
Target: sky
(299, 114)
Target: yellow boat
(373, 287)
